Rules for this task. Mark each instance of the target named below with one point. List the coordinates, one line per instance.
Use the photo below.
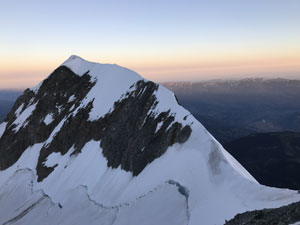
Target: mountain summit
(98, 144)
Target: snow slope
(195, 182)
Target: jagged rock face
(128, 133)
(51, 99)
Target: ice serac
(98, 144)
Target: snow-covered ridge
(103, 121)
(35, 207)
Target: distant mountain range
(7, 99)
(231, 109)
(272, 158)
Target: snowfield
(197, 182)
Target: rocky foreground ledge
(286, 215)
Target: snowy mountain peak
(80, 66)
(101, 135)
(74, 57)
(77, 61)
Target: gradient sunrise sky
(161, 40)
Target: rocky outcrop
(281, 216)
(52, 98)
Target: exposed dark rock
(284, 215)
(52, 98)
(129, 134)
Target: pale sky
(161, 40)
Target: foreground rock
(281, 216)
